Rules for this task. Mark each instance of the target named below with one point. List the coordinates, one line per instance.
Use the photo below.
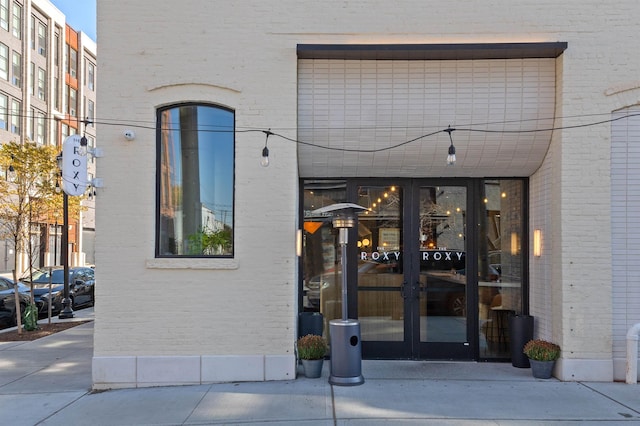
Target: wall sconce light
(537, 242)
(515, 249)
(299, 242)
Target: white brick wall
(625, 218)
(242, 55)
(367, 103)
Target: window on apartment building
(15, 117)
(56, 48)
(91, 75)
(195, 181)
(32, 78)
(64, 130)
(91, 108)
(4, 106)
(56, 93)
(33, 32)
(30, 128)
(42, 39)
(16, 24)
(40, 127)
(42, 84)
(72, 102)
(16, 70)
(73, 62)
(4, 61)
(4, 14)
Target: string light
(226, 129)
(82, 150)
(451, 158)
(264, 162)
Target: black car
(81, 287)
(8, 301)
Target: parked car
(8, 301)
(442, 282)
(81, 287)
(322, 282)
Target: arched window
(195, 181)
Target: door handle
(402, 289)
(416, 290)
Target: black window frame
(158, 207)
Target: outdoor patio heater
(346, 348)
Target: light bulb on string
(451, 157)
(264, 161)
(82, 149)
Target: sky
(81, 15)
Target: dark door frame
(412, 348)
(474, 199)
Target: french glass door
(411, 271)
(423, 282)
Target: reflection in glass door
(412, 295)
(381, 280)
(442, 263)
(423, 283)
(500, 263)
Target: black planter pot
(521, 331)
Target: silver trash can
(346, 353)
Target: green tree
(210, 242)
(28, 196)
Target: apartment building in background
(48, 92)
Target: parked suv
(81, 287)
(8, 301)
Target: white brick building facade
(181, 321)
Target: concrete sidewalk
(48, 381)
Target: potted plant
(311, 350)
(542, 356)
